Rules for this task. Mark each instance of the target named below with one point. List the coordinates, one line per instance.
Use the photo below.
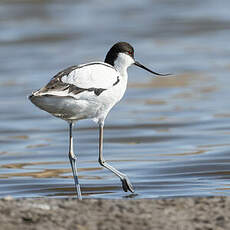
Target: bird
(89, 91)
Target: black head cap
(120, 47)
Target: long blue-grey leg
(73, 162)
(126, 185)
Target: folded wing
(75, 80)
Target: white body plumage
(87, 104)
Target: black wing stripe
(115, 83)
(57, 85)
(76, 90)
(66, 71)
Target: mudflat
(97, 214)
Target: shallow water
(171, 136)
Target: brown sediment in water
(92, 214)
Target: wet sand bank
(90, 214)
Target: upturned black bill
(143, 67)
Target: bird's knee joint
(72, 157)
(101, 161)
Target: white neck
(122, 62)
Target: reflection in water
(170, 135)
